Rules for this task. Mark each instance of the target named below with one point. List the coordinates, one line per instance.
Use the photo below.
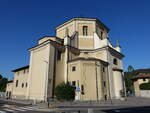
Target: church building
(81, 54)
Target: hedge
(145, 86)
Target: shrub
(64, 91)
(145, 86)
(122, 93)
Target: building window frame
(26, 84)
(73, 68)
(82, 89)
(115, 61)
(74, 83)
(22, 85)
(17, 82)
(85, 30)
(59, 55)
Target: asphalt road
(12, 107)
(110, 110)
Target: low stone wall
(2, 94)
(145, 93)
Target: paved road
(12, 107)
(113, 110)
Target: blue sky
(23, 22)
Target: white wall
(145, 93)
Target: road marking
(9, 110)
(6, 105)
(2, 112)
(25, 108)
(18, 109)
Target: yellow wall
(137, 83)
(22, 77)
(87, 74)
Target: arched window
(115, 61)
(85, 30)
(22, 85)
(101, 35)
(16, 83)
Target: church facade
(81, 54)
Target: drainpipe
(108, 76)
(96, 80)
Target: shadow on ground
(145, 109)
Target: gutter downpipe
(96, 80)
(108, 78)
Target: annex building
(81, 54)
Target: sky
(23, 22)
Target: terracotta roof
(141, 75)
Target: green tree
(64, 91)
(130, 68)
(3, 83)
(145, 86)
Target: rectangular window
(58, 55)
(22, 85)
(104, 83)
(26, 84)
(73, 68)
(85, 30)
(103, 69)
(16, 83)
(82, 89)
(74, 83)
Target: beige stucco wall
(9, 89)
(40, 60)
(22, 77)
(42, 64)
(60, 70)
(118, 85)
(61, 32)
(137, 83)
(91, 77)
